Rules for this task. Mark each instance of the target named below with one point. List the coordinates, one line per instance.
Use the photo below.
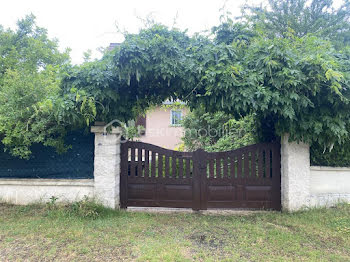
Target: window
(176, 117)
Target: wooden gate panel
(253, 182)
(156, 177)
(151, 177)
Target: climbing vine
(298, 85)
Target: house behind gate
(163, 125)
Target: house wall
(159, 130)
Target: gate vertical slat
(267, 162)
(253, 163)
(260, 163)
(203, 180)
(188, 168)
(167, 167)
(158, 159)
(239, 165)
(139, 162)
(211, 168)
(225, 168)
(173, 166)
(181, 167)
(160, 165)
(218, 167)
(132, 161)
(147, 163)
(232, 166)
(153, 165)
(246, 164)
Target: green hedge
(338, 156)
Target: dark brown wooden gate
(248, 177)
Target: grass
(84, 232)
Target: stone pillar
(107, 166)
(295, 171)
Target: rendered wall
(329, 185)
(29, 191)
(304, 186)
(295, 174)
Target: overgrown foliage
(32, 106)
(144, 70)
(287, 65)
(300, 85)
(217, 131)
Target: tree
(302, 17)
(28, 48)
(33, 108)
(230, 31)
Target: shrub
(338, 156)
(218, 131)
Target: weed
(86, 208)
(52, 204)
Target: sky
(86, 24)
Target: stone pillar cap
(102, 129)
